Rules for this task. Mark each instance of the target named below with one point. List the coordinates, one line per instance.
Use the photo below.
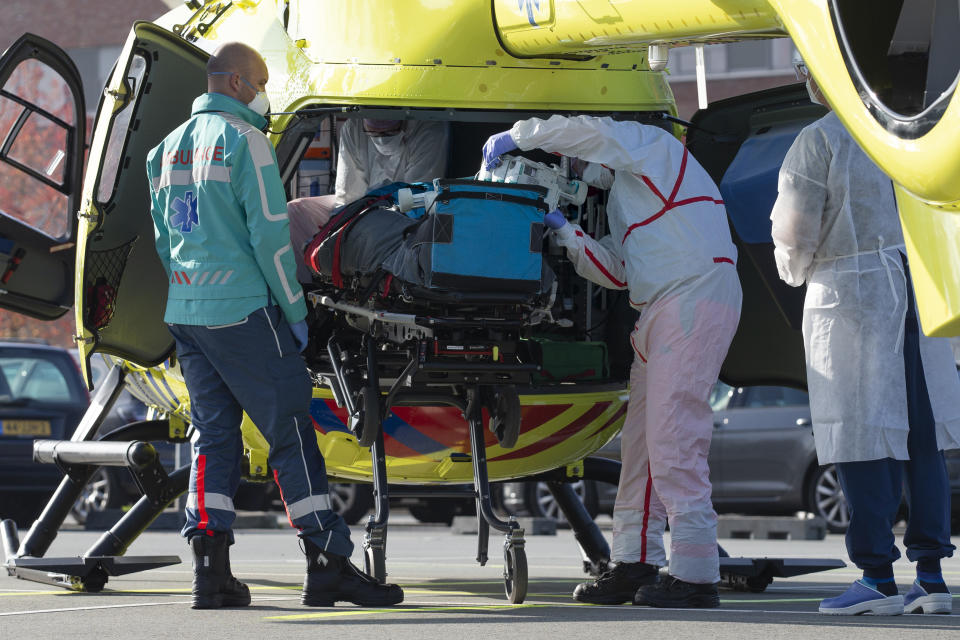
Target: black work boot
(332, 578)
(675, 593)
(213, 584)
(617, 584)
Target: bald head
(237, 70)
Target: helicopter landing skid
(79, 458)
(738, 574)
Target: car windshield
(32, 377)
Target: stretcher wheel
(368, 423)
(375, 563)
(515, 573)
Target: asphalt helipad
(447, 596)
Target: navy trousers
(254, 366)
(873, 488)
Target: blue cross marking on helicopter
(529, 5)
(185, 213)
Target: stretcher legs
(514, 555)
(375, 539)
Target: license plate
(25, 427)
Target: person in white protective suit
(670, 245)
(884, 398)
(372, 153)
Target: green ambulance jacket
(220, 218)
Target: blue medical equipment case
(484, 236)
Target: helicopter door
(42, 135)
(741, 142)
(123, 289)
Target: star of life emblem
(185, 214)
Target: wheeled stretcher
(430, 307)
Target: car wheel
(540, 503)
(825, 499)
(352, 501)
(102, 492)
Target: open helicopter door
(42, 136)
(741, 142)
(122, 292)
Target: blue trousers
(873, 488)
(254, 366)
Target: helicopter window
(36, 124)
(47, 156)
(119, 128)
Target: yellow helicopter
(479, 65)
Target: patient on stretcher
(473, 236)
(481, 236)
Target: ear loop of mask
(230, 73)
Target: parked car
(762, 462)
(42, 395)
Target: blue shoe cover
(918, 600)
(859, 599)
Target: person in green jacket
(237, 315)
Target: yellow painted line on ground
(413, 609)
(437, 592)
(106, 592)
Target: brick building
(731, 70)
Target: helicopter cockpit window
(37, 120)
(119, 128)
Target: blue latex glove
(299, 331)
(554, 219)
(495, 146)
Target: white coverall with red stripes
(670, 245)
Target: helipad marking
(109, 606)
(107, 592)
(115, 606)
(412, 609)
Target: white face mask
(388, 145)
(813, 96)
(260, 103)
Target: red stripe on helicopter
(622, 411)
(397, 449)
(201, 507)
(446, 426)
(557, 437)
(417, 431)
